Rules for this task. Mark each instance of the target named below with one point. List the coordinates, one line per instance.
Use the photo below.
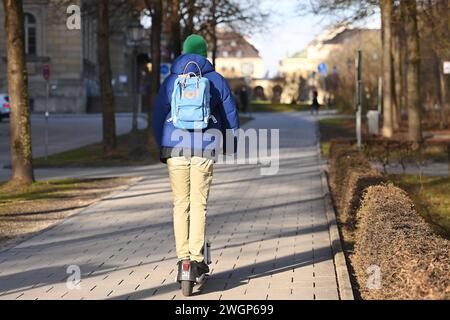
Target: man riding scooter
(193, 99)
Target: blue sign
(164, 69)
(323, 69)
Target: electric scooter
(188, 275)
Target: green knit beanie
(195, 44)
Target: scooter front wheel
(186, 288)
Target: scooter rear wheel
(186, 288)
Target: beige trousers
(190, 179)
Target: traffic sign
(164, 71)
(46, 72)
(165, 68)
(323, 69)
(447, 67)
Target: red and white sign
(46, 72)
(447, 67)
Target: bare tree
(175, 36)
(437, 27)
(21, 151)
(233, 14)
(111, 16)
(213, 30)
(386, 16)
(397, 67)
(409, 8)
(156, 11)
(105, 78)
(189, 11)
(444, 10)
(342, 84)
(345, 11)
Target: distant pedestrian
(243, 97)
(315, 106)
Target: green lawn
(265, 106)
(333, 128)
(50, 189)
(431, 196)
(131, 150)
(335, 122)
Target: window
(233, 43)
(225, 54)
(247, 69)
(30, 34)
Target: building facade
(301, 71)
(71, 55)
(237, 57)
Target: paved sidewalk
(270, 237)
(436, 169)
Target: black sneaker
(202, 267)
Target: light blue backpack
(190, 105)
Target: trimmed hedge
(387, 232)
(350, 174)
(413, 260)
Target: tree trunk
(175, 28)
(397, 69)
(106, 90)
(189, 28)
(214, 48)
(20, 131)
(214, 31)
(395, 86)
(444, 79)
(413, 81)
(155, 7)
(403, 61)
(386, 15)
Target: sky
(290, 31)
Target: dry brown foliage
(387, 232)
(414, 261)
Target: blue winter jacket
(223, 108)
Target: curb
(343, 278)
(21, 239)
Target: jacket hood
(181, 62)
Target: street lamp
(135, 35)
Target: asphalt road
(65, 132)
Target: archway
(258, 93)
(276, 94)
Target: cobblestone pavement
(269, 234)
